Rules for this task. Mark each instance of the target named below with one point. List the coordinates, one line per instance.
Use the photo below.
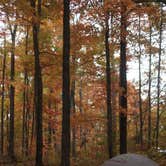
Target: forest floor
(6, 161)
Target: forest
(82, 81)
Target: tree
(72, 93)
(25, 126)
(108, 85)
(158, 78)
(149, 89)
(140, 92)
(38, 87)
(3, 95)
(65, 154)
(123, 82)
(13, 30)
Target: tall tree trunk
(27, 118)
(23, 117)
(33, 132)
(108, 87)
(73, 109)
(7, 125)
(38, 86)
(82, 130)
(54, 130)
(140, 99)
(123, 83)
(136, 131)
(158, 81)
(25, 123)
(65, 155)
(27, 99)
(114, 95)
(149, 90)
(2, 97)
(80, 95)
(12, 93)
(25, 102)
(49, 123)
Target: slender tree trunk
(158, 81)
(27, 118)
(137, 132)
(33, 125)
(149, 90)
(23, 119)
(12, 94)
(49, 123)
(25, 105)
(38, 84)
(123, 83)
(7, 126)
(140, 99)
(25, 123)
(3, 97)
(73, 111)
(82, 130)
(54, 130)
(33, 133)
(108, 87)
(80, 94)
(114, 95)
(65, 155)
(27, 100)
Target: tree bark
(27, 99)
(149, 89)
(27, 117)
(3, 97)
(73, 86)
(140, 89)
(123, 82)
(65, 154)
(114, 92)
(158, 81)
(25, 105)
(49, 123)
(73, 111)
(38, 86)
(108, 87)
(23, 118)
(12, 93)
